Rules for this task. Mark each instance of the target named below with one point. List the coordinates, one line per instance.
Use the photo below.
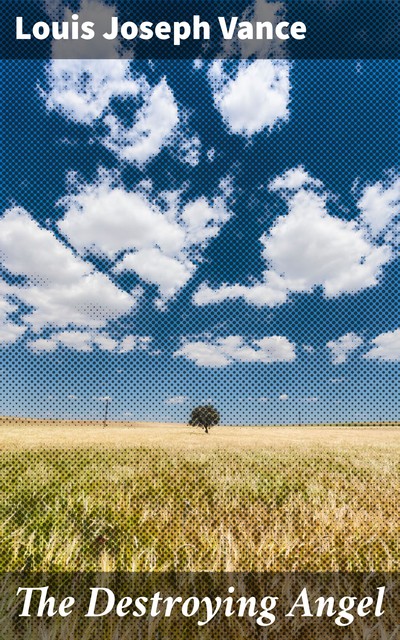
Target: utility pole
(107, 404)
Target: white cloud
(254, 99)
(43, 345)
(308, 248)
(129, 343)
(271, 292)
(380, 204)
(105, 343)
(153, 126)
(188, 149)
(294, 179)
(176, 400)
(9, 331)
(284, 397)
(385, 347)
(76, 340)
(203, 354)
(61, 288)
(160, 245)
(89, 301)
(133, 343)
(97, 48)
(211, 153)
(85, 90)
(202, 221)
(343, 346)
(81, 90)
(110, 220)
(259, 11)
(222, 352)
(169, 274)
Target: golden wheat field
(26, 433)
(163, 497)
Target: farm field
(28, 433)
(148, 497)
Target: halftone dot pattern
(147, 509)
(103, 361)
(331, 30)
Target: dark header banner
(295, 29)
(199, 605)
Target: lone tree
(205, 417)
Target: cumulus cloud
(271, 292)
(79, 341)
(88, 93)
(109, 220)
(176, 400)
(294, 179)
(81, 90)
(42, 345)
(152, 265)
(161, 245)
(76, 340)
(309, 247)
(105, 343)
(380, 204)
(86, 341)
(222, 352)
(135, 343)
(154, 123)
(385, 347)
(98, 11)
(188, 148)
(259, 11)
(60, 287)
(255, 97)
(9, 331)
(343, 346)
(306, 248)
(211, 153)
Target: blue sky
(182, 232)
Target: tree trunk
(206, 429)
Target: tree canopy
(205, 416)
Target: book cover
(200, 334)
